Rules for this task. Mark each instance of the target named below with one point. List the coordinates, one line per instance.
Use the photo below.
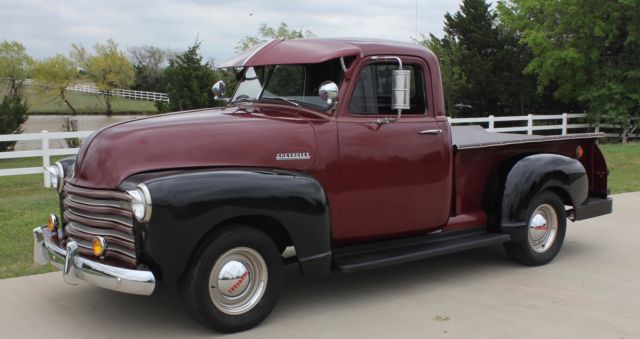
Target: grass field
(25, 203)
(89, 104)
(624, 166)
(43, 103)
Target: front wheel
(546, 227)
(234, 283)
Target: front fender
(188, 205)
(536, 173)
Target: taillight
(579, 152)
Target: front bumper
(75, 268)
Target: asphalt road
(591, 290)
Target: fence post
(564, 123)
(530, 124)
(45, 157)
(491, 123)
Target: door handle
(431, 131)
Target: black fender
(532, 174)
(188, 205)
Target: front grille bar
(89, 213)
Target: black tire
(528, 251)
(200, 300)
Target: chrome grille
(89, 213)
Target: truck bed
(476, 137)
(478, 153)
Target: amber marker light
(579, 152)
(99, 246)
(52, 223)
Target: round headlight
(141, 203)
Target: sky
(48, 27)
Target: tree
(588, 50)
(57, 73)
(15, 65)
(108, 69)
(266, 33)
(189, 80)
(149, 62)
(454, 79)
(13, 113)
(482, 64)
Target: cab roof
(310, 51)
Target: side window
(372, 94)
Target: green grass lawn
(624, 166)
(41, 102)
(25, 203)
(87, 104)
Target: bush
(189, 81)
(162, 106)
(13, 113)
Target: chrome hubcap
(238, 280)
(543, 227)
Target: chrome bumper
(75, 268)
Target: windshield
(295, 83)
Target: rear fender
(533, 174)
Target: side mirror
(218, 90)
(328, 92)
(400, 88)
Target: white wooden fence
(561, 122)
(45, 152)
(125, 93)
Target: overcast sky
(48, 27)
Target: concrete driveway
(591, 290)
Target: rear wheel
(234, 283)
(546, 227)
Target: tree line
(521, 57)
(542, 56)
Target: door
(395, 177)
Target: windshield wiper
(243, 99)
(294, 103)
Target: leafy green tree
(13, 113)
(588, 50)
(15, 65)
(57, 73)
(189, 80)
(266, 33)
(482, 64)
(108, 68)
(454, 79)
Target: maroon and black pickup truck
(340, 149)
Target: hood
(251, 136)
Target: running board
(363, 257)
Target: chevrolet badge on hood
(293, 156)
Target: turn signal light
(99, 246)
(579, 152)
(52, 223)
